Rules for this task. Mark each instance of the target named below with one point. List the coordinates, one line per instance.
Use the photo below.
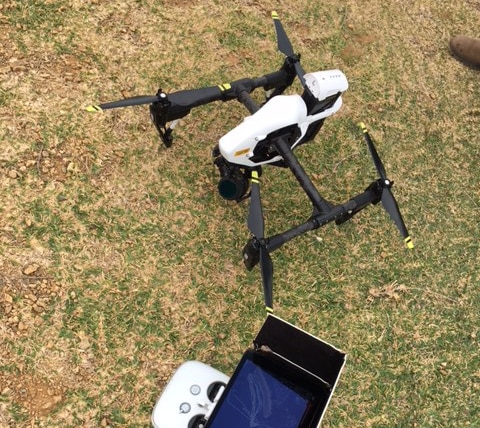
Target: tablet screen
(260, 397)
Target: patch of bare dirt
(24, 299)
(36, 395)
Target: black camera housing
(234, 182)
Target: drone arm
(278, 79)
(320, 204)
(181, 102)
(339, 213)
(371, 195)
(276, 241)
(176, 105)
(250, 104)
(314, 222)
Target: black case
(297, 358)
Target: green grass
(139, 259)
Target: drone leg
(284, 149)
(339, 213)
(371, 195)
(245, 98)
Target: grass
(136, 260)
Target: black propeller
(127, 102)
(186, 99)
(387, 198)
(285, 47)
(255, 223)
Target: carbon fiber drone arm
(339, 214)
(181, 102)
(176, 105)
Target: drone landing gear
(320, 204)
(324, 212)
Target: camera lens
(233, 182)
(232, 187)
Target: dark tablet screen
(264, 395)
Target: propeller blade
(266, 267)
(127, 102)
(255, 215)
(373, 152)
(256, 225)
(300, 74)
(285, 47)
(283, 42)
(391, 206)
(387, 198)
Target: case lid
(287, 380)
(302, 349)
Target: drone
(268, 137)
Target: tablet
(268, 391)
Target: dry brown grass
(118, 261)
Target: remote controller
(189, 396)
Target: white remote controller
(190, 394)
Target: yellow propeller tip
(269, 309)
(274, 14)
(362, 126)
(93, 109)
(409, 243)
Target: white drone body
(282, 111)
